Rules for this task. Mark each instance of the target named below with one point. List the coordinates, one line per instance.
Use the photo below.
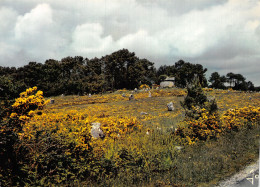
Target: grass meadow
(140, 147)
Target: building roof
(170, 79)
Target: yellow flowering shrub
(74, 127)
(237, 118)
(211, 126)
(208, 89)
(207, 126)
(144, 86)
(62, 139)
(25, 106)
(116, 126)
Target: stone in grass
(131, 97)
(159, 128)
(143, 113)
(123, 95)
(96, 131)
(170, 106)
(135, 90)
(178, 147)
(89, 95)
(150, 94)
(51, 101)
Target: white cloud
(87, 39)
(144, 44)
(7, 21)
(35, 23)
(36, 33)
(213, 33)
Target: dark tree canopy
(120, 69)
(217, 81)
(184, 73)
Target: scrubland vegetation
(144, 143)
(211, 133)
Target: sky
(222, 35)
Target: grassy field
(140, 148)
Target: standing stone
(89, 95)
(178, 147)
(135, 89)
(131, 97)
(62, 95)
(159, 128)
(52, 101)
(170, 106)
(150, 94)
(96, 131)
(123, 95)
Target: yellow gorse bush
(205, 127)
(115, 126)
(211, 126)
(25, 106)
(144, 86)
(68, 127)
(240, 117)
(74, 126)
(208, 89)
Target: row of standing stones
(96, 130)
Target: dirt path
(248, 177)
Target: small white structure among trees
(169, 82)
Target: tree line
(121, 69)
(185, 71)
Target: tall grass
(154, 160)
(152, 155)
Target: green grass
(153, 160)
(202, 164)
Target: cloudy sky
(222, 35)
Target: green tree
(122, 69)
(250, 86)
(196, 100)
(185, 73)
(217, 81)
(116, 68)
(237, 81)
(52, 82)
(231, 79)
(95, 78)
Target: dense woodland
(121, 69)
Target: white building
(169, 82)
